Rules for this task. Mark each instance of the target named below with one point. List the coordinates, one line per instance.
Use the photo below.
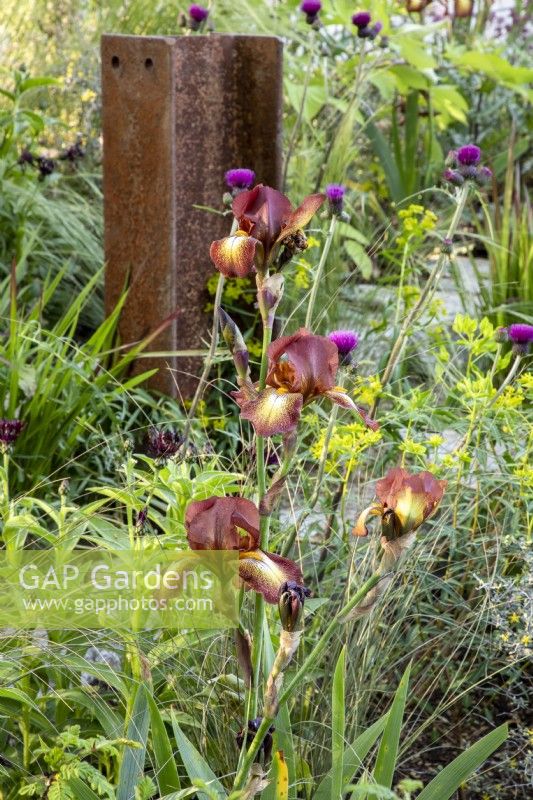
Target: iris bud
(291, 605)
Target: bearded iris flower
(266, 221)
(301, 368)
(404, 502)
(232, 523)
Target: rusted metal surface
(177, 113)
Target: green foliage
(380, 120)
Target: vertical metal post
(177, 113)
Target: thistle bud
(453, 176)
(447, 247)
(291, 605)
(235, 344)
(269, 295)
(483, 176)
(501, 335)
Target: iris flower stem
(509, 377)
(259, 612)
(319, 272)
(300, 676)
(425, 296)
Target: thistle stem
(319, 271)
(509, 377)
(300, 675)
(5, 485)
(425, 296)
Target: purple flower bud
(520, 333)
(447, 246)
(375, 30)
(26, 157)
(163, 444)
(10, 430)
(361, 19)
(73, 153)
(240, 178)
(453, 176)
(198, 13)
(291, 605)
(335, 193)
(346, 342)
(484, 175)
(141, 519)
(469, 172)
(468, 155)
(235, 344)
(46, 166)
(501, 335)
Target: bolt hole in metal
(149, 64)
(115, 62)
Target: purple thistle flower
(10, 430)
(311, 7)
(198, 13)
(361, 19)
(468, 155)
(520, 333)
(346, 342)
(240, 178)
(335, 193)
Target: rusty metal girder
(177, 113)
